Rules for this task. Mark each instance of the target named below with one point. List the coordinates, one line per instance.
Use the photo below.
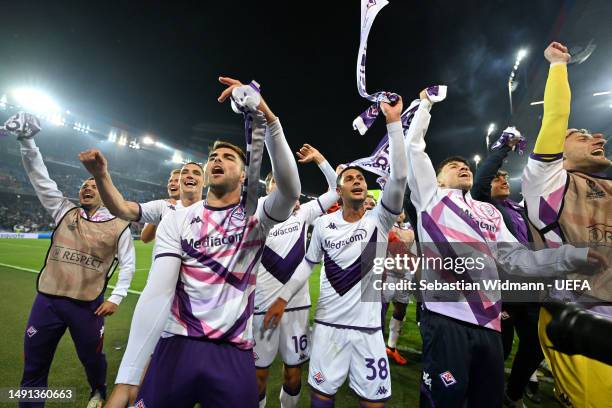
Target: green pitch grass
(19, 289)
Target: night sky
(154, 65)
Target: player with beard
(284, 250)
(195, 313)
(462, 349)
(148, 232)
(569, 200)
(347, 338)
(86, 246)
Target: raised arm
(557, 99)
(481, 190)
(422, 179)
(279, 204)
(393, 196)
(46, 189)
(318, 207)
(96, 164)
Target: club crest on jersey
(238, 213)
(447, 379)
(318, 377)
(31, 331)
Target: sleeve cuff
(425, 104)
(27, 143)
(130, 376)
(552, 64)
(285, 294)
(116, 299)
(395, 126)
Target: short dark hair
(444, 162)
(339, 178)
(501, 173)
(197, 164)
(220, 143)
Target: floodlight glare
(177, 157)
(491, 129)
(35, 101)
(521, 54)
(148, 140)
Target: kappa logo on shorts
(448, 379)
(31, 331)
(382, 390)
(427, 380)
(140, 404)
(318, 377)
(302, 357)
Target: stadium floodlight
(148, 140)
(122, 140)
(521, 54)
(112, 136)
(476, 159)
(35, 101)
(602, 93)
(134, 144)
(534, 103)
(177, 157)
(3, 102)
(490, 131)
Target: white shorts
(291, 338)
(397, 295)
(361, 354)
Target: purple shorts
(185, 371)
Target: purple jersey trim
(311, 262)
(273, 219)
(291, 309)
(320, 206)
(546, 157)
(168, 254)
(388, 210)
(342, 326)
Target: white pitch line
(21, 268)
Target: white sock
(262, 402)
(534, 377)
(288, 401)
(395, 327)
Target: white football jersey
(284, 250)
(220, 249)
(152, 212)
(348, 261)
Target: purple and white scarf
(508, 135)
(245, 100)
(378, 162)
(22, 125)
(369, 10)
